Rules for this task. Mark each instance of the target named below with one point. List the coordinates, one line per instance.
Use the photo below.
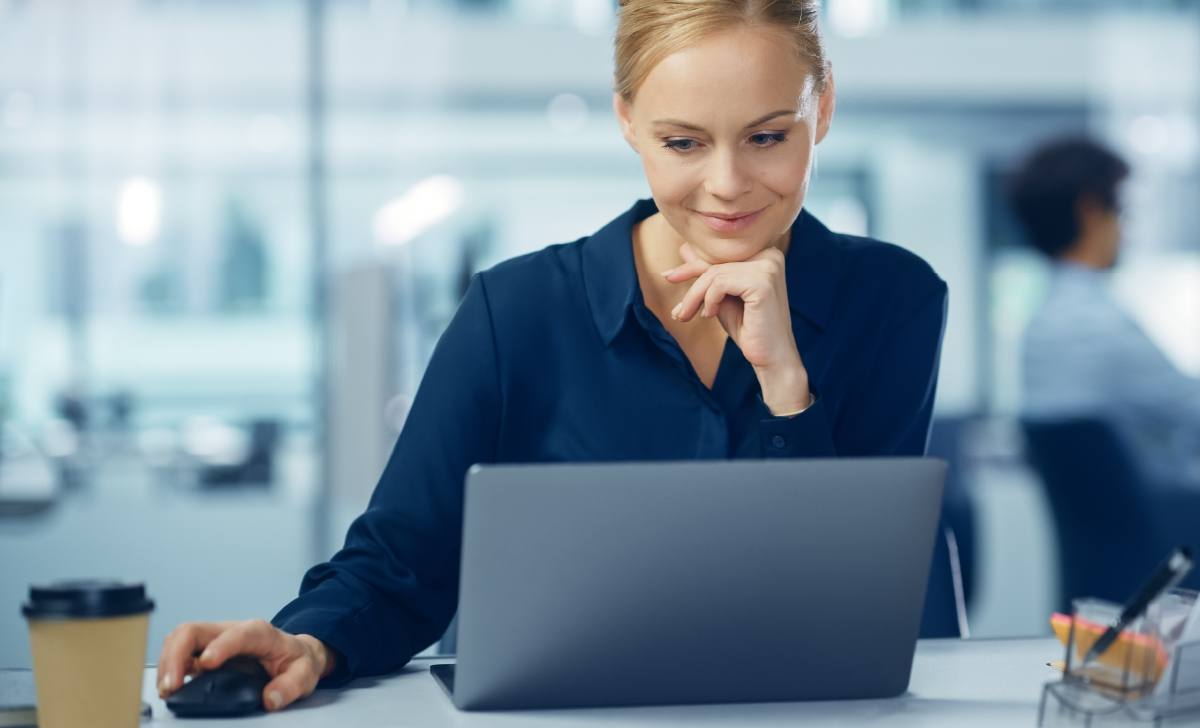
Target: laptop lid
(586, 585)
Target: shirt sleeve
(392, 589)
(803, 435)
(892, 409)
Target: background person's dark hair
(1046, 188)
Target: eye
(681, 145)
(768, 138)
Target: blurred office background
(231, 233)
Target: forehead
(738, 73)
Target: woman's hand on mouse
(294, 662)
(750, 300)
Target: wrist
(322, 655)
(785, 390)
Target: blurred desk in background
(28, 485)
(203, 554)
(954, 683)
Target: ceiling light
(425, 204)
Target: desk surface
(954, 683)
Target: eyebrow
(764, 119)
(760, 120)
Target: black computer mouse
(233, 689)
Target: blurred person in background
(1084, 356)
(718, 320)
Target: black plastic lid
(86, 599)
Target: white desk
(954, 683)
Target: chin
(730, 250)
(735, 246)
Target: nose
(727, 177)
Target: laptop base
(444, 675)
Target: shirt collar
(611, 282)
(1077, 271)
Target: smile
(724, 222)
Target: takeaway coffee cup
(89, 647)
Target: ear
(625, 119)
(825, 105)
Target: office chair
(951, 577)
(1114, 526)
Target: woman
(716, 321)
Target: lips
(725, 222)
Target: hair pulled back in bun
(650, 30)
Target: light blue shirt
(1086, 357)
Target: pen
(1168, 574)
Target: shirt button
(778, 442)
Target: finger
(692, 267)
(770, 253)
(297, 681)
(692, 300)
(256, 638)
(176, 660)
(688, 253)
(685, 272)
(193, 668)
(727, 283)
(731, 314)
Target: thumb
(296, 682)
(692, 266)
(688, 253)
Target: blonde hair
(650, 30)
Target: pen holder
(1150, 674)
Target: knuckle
(259, 625)
(183, 631)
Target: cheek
(670, 180)
(786, 174)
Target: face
(1110, 225)
(1099, 233)
(726, 129)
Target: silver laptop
(591, 585)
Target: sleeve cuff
(333, 659)
(805, 435)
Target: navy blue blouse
(554, 356)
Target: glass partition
(157, 350)
(173, 405)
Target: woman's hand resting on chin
(294, 662)
(749, 298)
